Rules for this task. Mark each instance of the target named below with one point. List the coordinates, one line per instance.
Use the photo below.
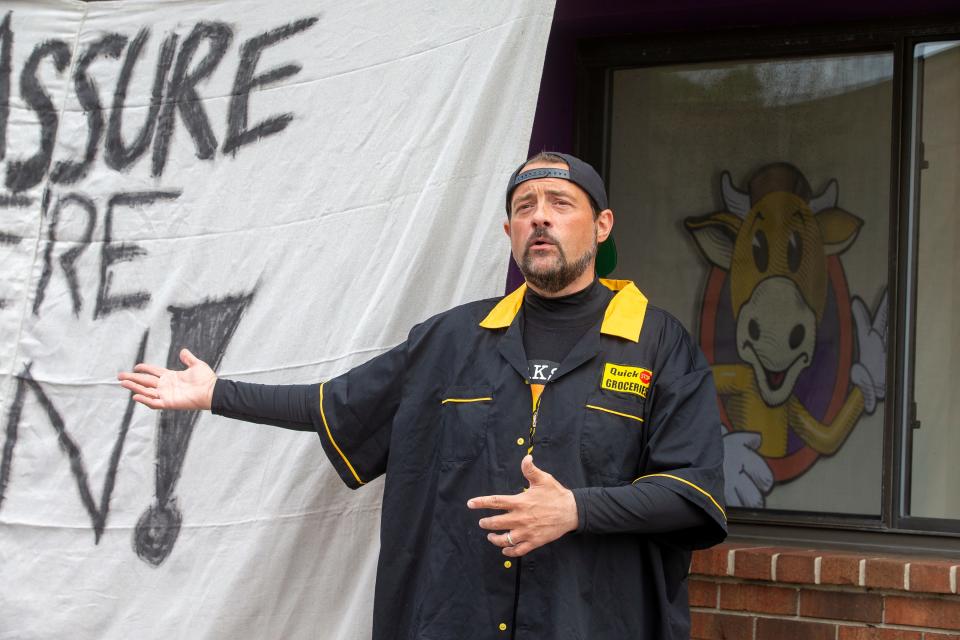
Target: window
(935, 205)
(792, 199)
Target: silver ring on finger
(510, 540)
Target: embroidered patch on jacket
(618, 377)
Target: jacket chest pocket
(464, 414)
(612, 437)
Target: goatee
(555, 277)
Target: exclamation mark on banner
(206, 329)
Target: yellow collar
(623, 317)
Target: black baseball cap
(584, 176)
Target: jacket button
(520, 441)
(503, 626)
(507, 564)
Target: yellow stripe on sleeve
(689, 484)
(334, 442)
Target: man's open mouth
(539, 244)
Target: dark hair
(546, 156)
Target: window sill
(828, 567)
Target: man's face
(553, 233)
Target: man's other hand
(539, 515)
(160, 388)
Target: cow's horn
(826, 199)
(736, 202)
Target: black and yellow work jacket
(448, 415)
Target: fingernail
(471, 503)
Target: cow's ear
(715, 234)
(839, 229)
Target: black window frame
(598, 58)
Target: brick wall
(742, 592)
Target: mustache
(540, 233)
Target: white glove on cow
(869, 373)
(746, 477)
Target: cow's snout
(776, 333)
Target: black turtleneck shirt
(552, 326)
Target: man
(608, 394)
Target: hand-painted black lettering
(19, 201)
(9, 239)
(98, 514)
(238, 134)
(112, 253)
(117, 154)
(181, 93)
(23, 174)
(6, 70)
(111, 45)
(15, 200)
(207, 328)
(68, 257)
(10, 442)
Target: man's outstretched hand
(160, 388)
(539, 515)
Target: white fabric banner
(286, 188)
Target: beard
(556, 276)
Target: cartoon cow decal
(775, 248)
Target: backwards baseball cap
(584, 176)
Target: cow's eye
(794, 251)
(761, 251)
